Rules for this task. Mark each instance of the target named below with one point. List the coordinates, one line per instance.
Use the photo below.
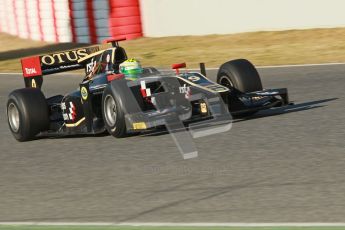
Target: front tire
(240, 75)
(113, 115)
(27, 113)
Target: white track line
(259, 67)
(299, 65)
(10, 73)
(287, 66)
(157, 224)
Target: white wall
(200, 17)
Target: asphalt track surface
(283, 165)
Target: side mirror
(114, 41)
(178, 66)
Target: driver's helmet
(131, 68)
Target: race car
(108, 102)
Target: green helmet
(131, 68)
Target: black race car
(106, 101)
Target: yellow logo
(67, 56)
(203, 107)
(139, 125)
(84, 93)
(33, 83)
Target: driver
(131, 68)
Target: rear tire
(113, 115)
(27, 113)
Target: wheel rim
(13, 117)
(110, 110)
(225, 81)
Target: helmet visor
(132, 71)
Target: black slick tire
(27, 113)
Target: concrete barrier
(202, 17)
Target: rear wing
(57, 62)
(35, 67)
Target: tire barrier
(82, 21)
(125, 19)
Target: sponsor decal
(63, 108)
(30, 71)
(185, 90)
(33, 83)
(139, 125)
(193, 78)
(63, 57)
(145, 92)
(217, 88)
(72, 114)
(31, 66)
(69, 111)
(90, 66)
(203, 107)
(84, 93)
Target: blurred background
(161, 32)
(90, 21)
